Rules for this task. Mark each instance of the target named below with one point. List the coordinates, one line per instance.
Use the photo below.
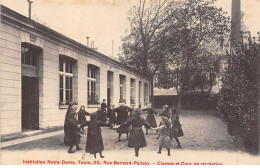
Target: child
(150, 116)
(82, 116)
(111, 115)
(176, 130)
(71, 131)
(166, 113)
(122, 116)
(104, 106)
(136, 137)
(94, 143)
(164, 140)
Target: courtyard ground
(205, 140)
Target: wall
(50, 113)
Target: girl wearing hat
(136, 138)
(164, 140)
(94, 143)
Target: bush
(238, 101)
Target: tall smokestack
(235, 22)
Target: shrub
(238, 101)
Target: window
(132, 91)
(93, 72)
(30, 54)
(139, 93)
(122, 87)
(66, 80)
(146, 94)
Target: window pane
(34, 60)
(67, 82)
(34, 55)
(66, 66)
(70, 82)
(67, 95)
(88, 86)
(61, 81)
(71, 66)
(71, 96)
(22, 53)
(89, 72)
(61, 95)
(61, 65)
(27, 56)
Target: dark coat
(82, 116)
(71, 130)
(176, 130)
(101, 116)
(150, 117)
(103, 107)
(122, 116)
(166, 113)
(111, 115)
(94, 143)
(136, 137)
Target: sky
(104, 21)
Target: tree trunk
(178, 107)
(151, 97)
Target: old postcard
(126, 82)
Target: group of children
(125, 124)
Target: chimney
(87, 41)
(236, 22)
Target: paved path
(29, 139)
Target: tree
(207, 71)
(239, 99)
(141, 46)
(192, 26)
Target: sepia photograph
(129, 82)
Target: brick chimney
(235, 22)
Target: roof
(8, 15)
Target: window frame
(122, 87)
(132, 91)
(92, 90)
(66, 75)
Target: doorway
(30, 103)
(109, 88)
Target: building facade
(42, 70)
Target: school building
(42, 70)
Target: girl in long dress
(82, 116)
(136, 138)
(94, 143)
(176, 130)
(71, 129)
(150, 117)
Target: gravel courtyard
(203, 133)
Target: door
(30, 103)
(108, 97)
